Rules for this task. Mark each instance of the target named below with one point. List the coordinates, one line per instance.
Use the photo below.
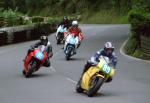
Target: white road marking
(53, 69)
(71, 80)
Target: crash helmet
(44, 40)
(108, 47)
(75, 23)
(65, 18)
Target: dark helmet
(65, 18)
(108, 47)
(44, 39)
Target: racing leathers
(76, 32)
(48, 50)
(68, 39)
(94, 60)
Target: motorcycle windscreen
(72, 41)
(62, 30)
(40, 56)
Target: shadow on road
(100, 94)
(73, 59)
(106, 94)
(77, 59)
(37, 75)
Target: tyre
(68, 54)
(58, 41)
(95, 85)
(59, 38)
(67, 57)
(78, 87)
(31, 67)
(23, 72)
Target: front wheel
(67, 57)
(31, 66)
(58, 41)
(78, 86)
(95, 85)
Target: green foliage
(139, 17)
(137, 53)
(37, 19)
(55, 20)
(140, 54)
(131, 46)
(104, 17)
(11, 18)
(63, 7)
(2, 23)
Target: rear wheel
(95, 85)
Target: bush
(11, 18)
(37, 19)
(2, 23)
(131, 46)
(137, 53)
(53, 20)
(140, 21)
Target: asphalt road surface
(57, 83)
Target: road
(57, 83)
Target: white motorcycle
(70, 46)
(60, 34)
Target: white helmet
(74, 23)
(108, 45)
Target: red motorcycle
(34, 60)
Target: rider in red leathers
(75, 31)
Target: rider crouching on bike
(107, 51)
(66, 22)
(43, 41)
(76, 31)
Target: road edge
(131, 57)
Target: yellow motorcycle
(95, 76)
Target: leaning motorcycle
(70, 46)
(34, 60)
(95, 77)
(60, 34)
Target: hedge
(139, 17)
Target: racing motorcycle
(60, 34)
(70, 46)
(95, 77)
(34, 60)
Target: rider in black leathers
(43, 41)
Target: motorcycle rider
(66, 22)
(43, 41)
(76, 31)
(107, 51)
(76, 42)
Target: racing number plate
(106, 68)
